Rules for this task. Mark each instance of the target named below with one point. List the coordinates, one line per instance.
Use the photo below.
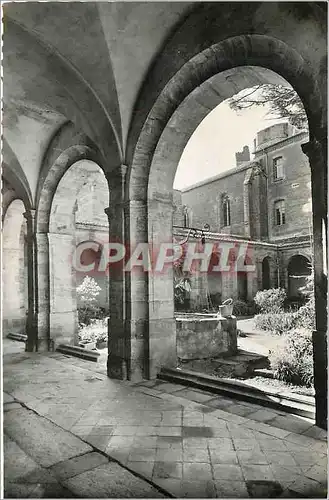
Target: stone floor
(69, 431)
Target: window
(278, 168)
(279, 213)
(226, 210)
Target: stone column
(161, 342)
(137, 298)
(43, 296)
(118, 361)
(31, 321)
(38, 328)
(317, 155)
(63, 302)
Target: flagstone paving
(72, 432)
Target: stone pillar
(43, 298)
(31, 321)
(63, 302)
(137, 299)
(317, 155)
(161, 342)
(118, 361)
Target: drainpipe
(267, 191)
(278, 267)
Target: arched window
(226, 211)
(266, 273)
(299, 268)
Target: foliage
(216, 299)
(88, 291)
(277, 323)
(306, 313)
(182, 289)
(242, 308)
(95, 331)
(87, 294)
(88, 313)
(270, 301)
(292, 362)
(182, 282)
(283, 101)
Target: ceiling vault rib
(51, 49)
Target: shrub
(87, 314)
(96, 331)
(292, 361)
(277, 323)
(242, 308)
(306, 315)
(88, 291)
(216, 299)
(87, 294)
(270, 301)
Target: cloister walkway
(69, 431)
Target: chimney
(242, 156)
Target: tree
(88, 291)
(284, 102)
(87, 294)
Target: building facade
(265, 202)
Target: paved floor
(69, 431)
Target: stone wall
(294, 188)
(204, 201)
(254, 205)
(203, 337)
(14, 270)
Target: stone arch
(65, 231)
(215, 281)
(152, 190)
(234, 52)
(44, 83)
(299, 267)
(48, 187)
(14, 269)
(202, 48)
(14, 176)
(243, 278)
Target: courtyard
(70, 431)
(134, 131)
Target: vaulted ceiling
(101, 65)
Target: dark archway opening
(266, 274)
(299, 268)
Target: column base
(320, 378)
(45, 345)
(117, 367)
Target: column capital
(30, 214)
(314, 151)
(31, 222)
(117, 174)
(134, 204)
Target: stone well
(203, 336)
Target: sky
(212, 147)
